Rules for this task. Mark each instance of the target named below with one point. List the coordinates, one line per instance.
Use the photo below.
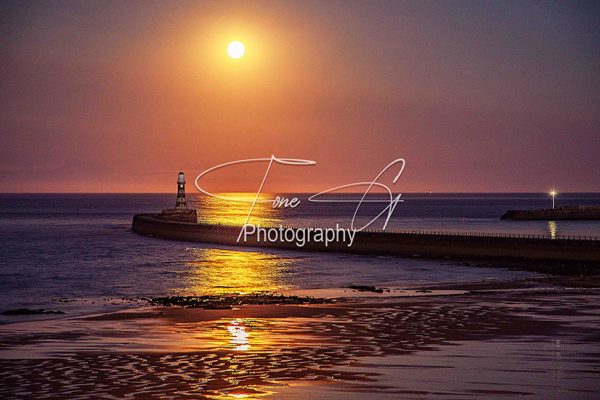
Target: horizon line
(302, 193)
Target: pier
(573, 213)
(480, 246)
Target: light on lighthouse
(553, 194)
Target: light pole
(553, 194)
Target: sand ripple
(239, 355)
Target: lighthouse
(181, 212)
(180, 203)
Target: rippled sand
(498, 345)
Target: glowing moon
(236, 49)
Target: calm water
(80, 247)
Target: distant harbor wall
(438, 245)
(555, 214)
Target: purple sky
(111, 96)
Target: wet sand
(535, 344)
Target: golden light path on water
(235, 210)
(553, 229)
(213, 271)
(219, 271)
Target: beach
(536, 342)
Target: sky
(113, 96)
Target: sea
(76, 253)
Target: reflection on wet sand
(261, 350)
(239, 336)
(218, 271)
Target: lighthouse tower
(180, 204)
(181, 212)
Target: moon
(236, 50)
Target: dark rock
(362, 288)
(225, 302)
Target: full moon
(236, 49)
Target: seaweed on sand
(228, 301)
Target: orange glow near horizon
(234, 212)
(96, 103)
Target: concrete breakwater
(584, 251)
(561, 213)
